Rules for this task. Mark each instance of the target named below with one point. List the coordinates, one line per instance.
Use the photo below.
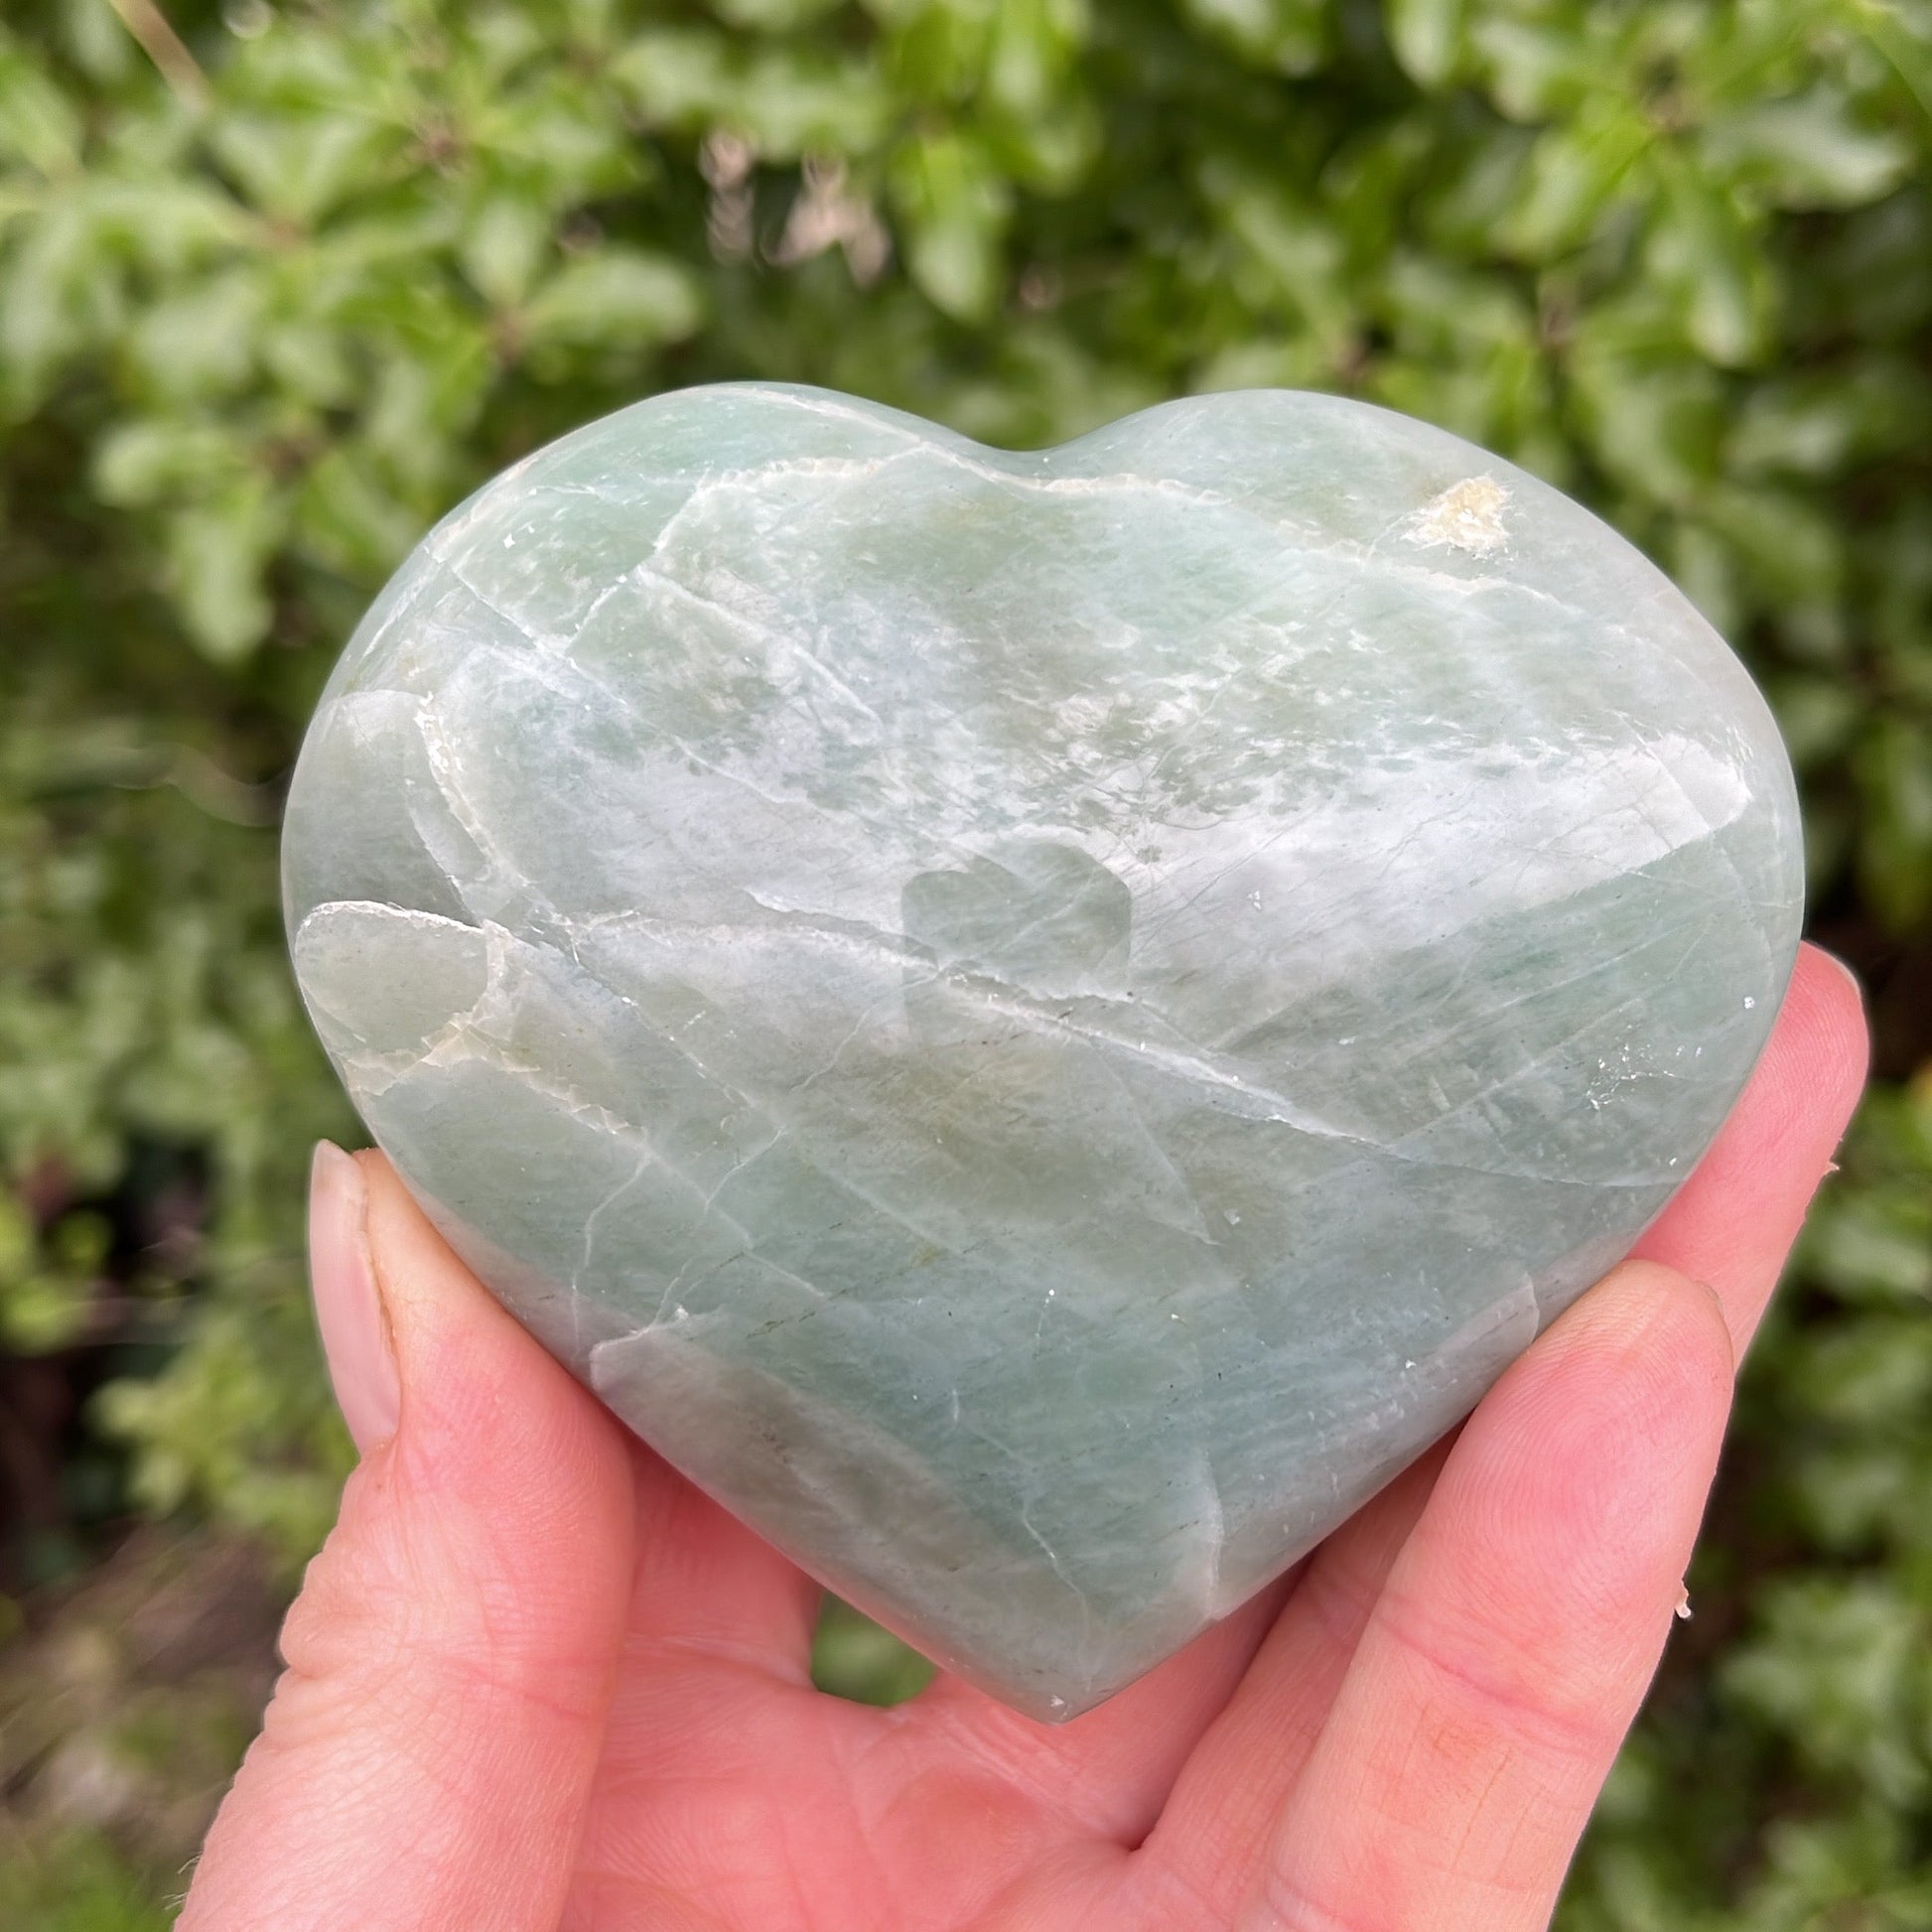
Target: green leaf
(37, 121)
(1652, 420)
(1426, 37)
(1707, 570)
(1903, 35)
(147, 460)
(60, 294)
(1793, 553)
(218, 559)
(1867, 1250)
(1536, 69)
(299, 166)
(788, 105)
(1287, 35)
(171, 224)
(1819, 423)
(1574, 173)
(201, 342)
(1289, 257)
(677, 77)
(503, 242)
(852, 1657)
(618, 297)
(1702, 249)
(76, 1880)
(773, 16)
(1034, 51)
(1809, 152)
(346, 515)
(1819, 717)
(955, 208)
(1894, 768)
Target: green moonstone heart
(1038, 1024)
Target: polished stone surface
(1040, 1025)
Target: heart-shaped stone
(1038, 1024)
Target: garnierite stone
(1039, 1023)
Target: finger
(1109, 1771)
(1734, 1221)
(1208, 1843)
(706, 1587)
(427, 1756)
(1730, 1225)
(1113, 1768)
(1518, 1628)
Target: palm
(731, 1794)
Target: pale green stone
(1038, 1024)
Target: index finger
(1733, 1224)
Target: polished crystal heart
(1038, 1024)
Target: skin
(535, 1679)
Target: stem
(165, 48)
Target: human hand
(535, 1679)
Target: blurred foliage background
(280, 283)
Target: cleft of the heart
(1038, 1024)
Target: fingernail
(349, 1304)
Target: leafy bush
(277, 285)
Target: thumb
(428, 1754)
